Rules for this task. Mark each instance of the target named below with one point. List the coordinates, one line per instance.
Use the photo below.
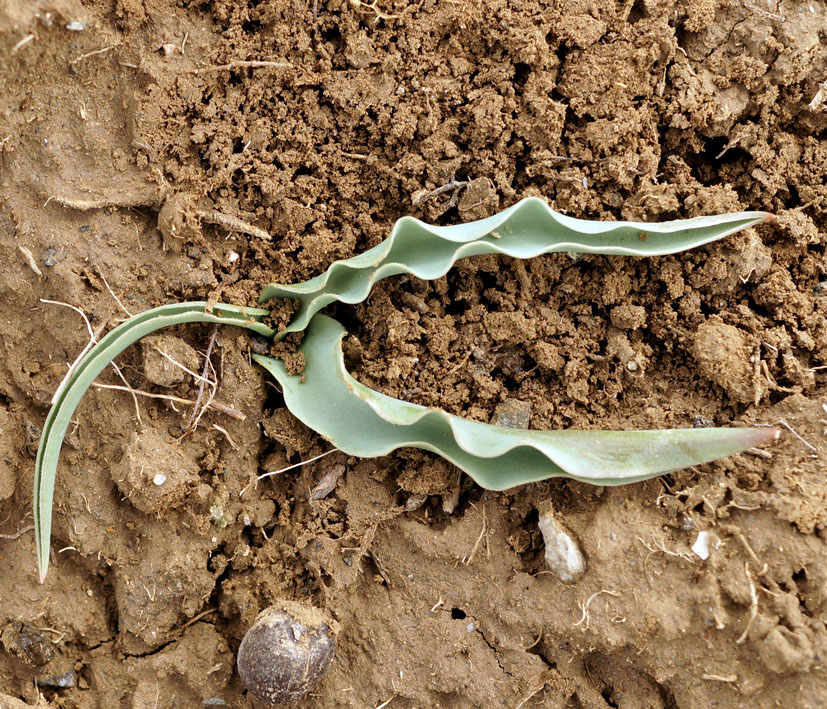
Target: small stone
(328, 483)
(563, 555)
(27, 643)
(63, 681)
(414, 502)
(512, 413)
(51, 256)
(75, 26)
(259, 345)
(702, 543)
(159, 479)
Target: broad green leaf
(367, 423)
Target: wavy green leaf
(367, 423)
(363, 422)
(526, 230)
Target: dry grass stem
(112, 293)
(214, 405)
(720, 678)
(223, 430)
(93, 53)
(196, 413)
(584, 607)
(22, 43)
(130, 390)
(529, 696)
(358, 4)
(102, 203)
(467, 560)
(782, 422)
(753, 609)
(284, 470)
(232, 223)
(30, 258)
(18, 533)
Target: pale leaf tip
(766, 435)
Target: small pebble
(701, 545)
(75, 26)
(51, 256)
(563, 556)
(64, 681)
(27, 643)
(414, 502)
(259, 345)
(512, 413)
(159, 479)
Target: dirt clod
(724, 356)
(161, 353)
(153, 473)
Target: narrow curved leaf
(364, 422)
(525, 230)
(81, 376)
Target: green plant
(360, 421)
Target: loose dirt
(148, 148)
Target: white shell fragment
(701, 545)
(563, 556)
(159, 479)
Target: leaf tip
(766, 434)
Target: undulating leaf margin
(527, 229)
(497, 458)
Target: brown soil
(122, 145)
